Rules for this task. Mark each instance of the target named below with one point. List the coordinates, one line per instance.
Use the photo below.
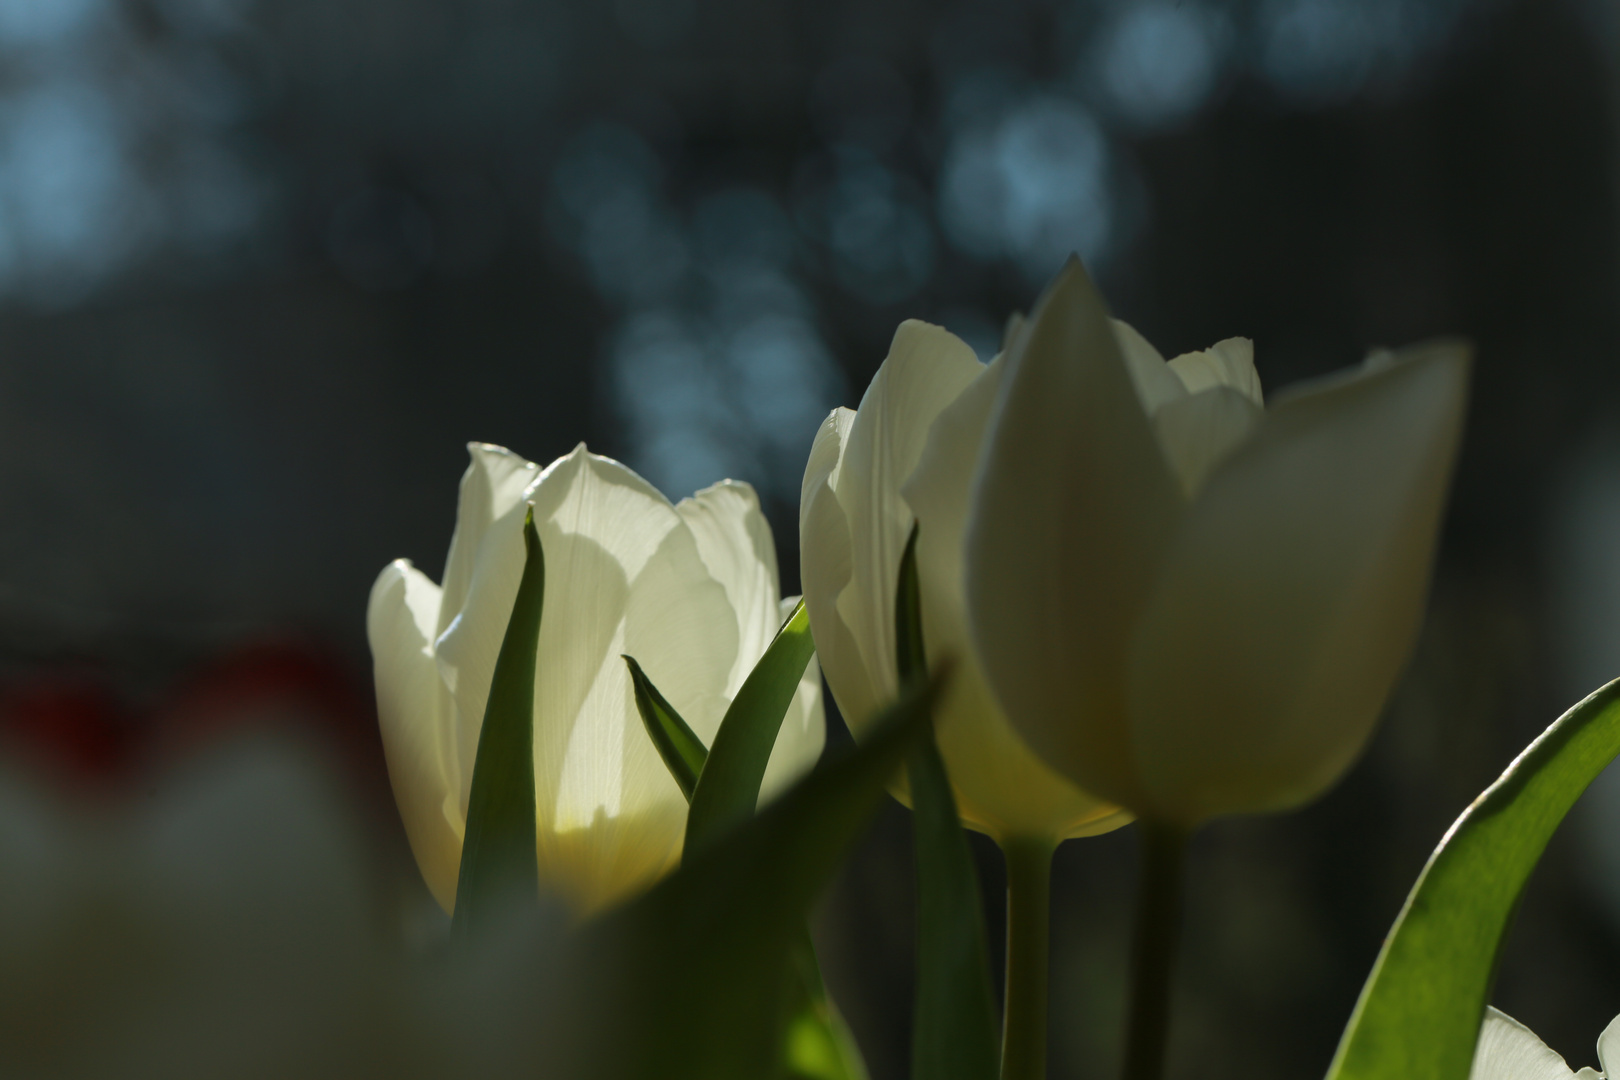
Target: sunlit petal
(825, 569)
(493, 483)
(735, 543)
(926, 369)
(623, 575)
(1608, 1048)
(1510, 1051)
(411, 711)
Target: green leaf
(953, 1034)
(1419, 1014)
(728, 787)
(498, 855)
(821, 1047)
(693, 981)
(683, 752)
(818, 1045)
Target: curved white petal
(493, 483)
(804, 729)
(1294, 592)
(1196, 432)
(1608, 1048)
(623, 576)
(927, 367)
(1002, 788)
(411, 711)
(734, 540)
(1227, 363)
(1072, 506)
(1508, 1050)
(1156, 385)
(824, 569)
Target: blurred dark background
(267, 265)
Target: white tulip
(690, 591)
(1188, 602)
(907, 455)
(1508, 1050)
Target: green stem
(1029, 921)
(1153, 948)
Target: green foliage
(728, 788)
(693, 979)
(818, 1044)
(1419, 1014)
(683, 752)
(498, 855)
(954, 1028)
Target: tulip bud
(1185, 601)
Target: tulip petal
(1001, 787)
(734, 541)
(824, 569)
(1294, 591)
(1073, 505)
(494, 482)
(411, 712)
(623, 576)
(736, 545)
(1510, 1051)
(1608, 1048)
(1226, 363)
(927, 367)
(804, 728)
(1156, 385)
(1196, 432)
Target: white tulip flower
(907, 456)
(1508, 1050)
(1187, 601)
(690, 591)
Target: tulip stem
(1029, 920)
(1153, 948)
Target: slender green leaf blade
(728, 787)
(953, 1032)
(1420, 1011)
(693, 980)
(498, 855)
(683, 752)
(910, 652)
(818, 1044)
(821, 1047)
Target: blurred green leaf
(1419, 1014)
(692, 981)
(910, 650)
(818, 1044)
(728, 787)
(683, 752)
(498, 855)
(953, 1032)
